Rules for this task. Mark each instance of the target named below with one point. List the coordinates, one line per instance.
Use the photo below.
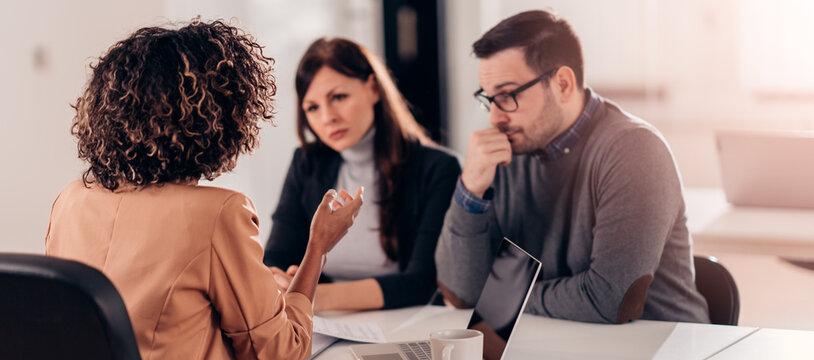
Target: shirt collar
(363, 151)
(563, 144)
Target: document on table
(362, 332)
(319, 343)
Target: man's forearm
(591, 297)
(464, 253)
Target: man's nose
(497, 117)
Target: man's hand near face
(487, 149)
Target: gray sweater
(607, 213)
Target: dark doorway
(413, 43)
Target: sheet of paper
(320, 342)
(362, 332)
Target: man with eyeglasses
(589, 189)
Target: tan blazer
(186, 261)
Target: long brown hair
(395, 125)
(167, 105)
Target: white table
(538, 337)
(718, 227)
(771, 344)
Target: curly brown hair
(173, 105)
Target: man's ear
(564, 84)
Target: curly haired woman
(164, 108)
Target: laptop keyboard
(416, 350)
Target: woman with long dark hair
(163, 109)
(355, 129)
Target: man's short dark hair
(547, 41)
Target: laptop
(497, 311)
(770, 169)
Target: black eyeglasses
(507, 102)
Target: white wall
(39, 155)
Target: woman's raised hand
(333, 218)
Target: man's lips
(510, 134)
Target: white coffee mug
(457, 344)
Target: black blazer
(423, 200)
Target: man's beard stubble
(542, 131)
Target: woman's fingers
(333, 218)
(336, 205)
(353, 204)
(283, 281)
(346, 198)
(357, 202)
(282, 278)
(292, 270)
(327, 199)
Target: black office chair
(719, 288)
(59, 309)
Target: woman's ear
(374, 88)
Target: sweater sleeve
(637, 196)
(416, 283)
(254, 315)
(466, 249)
(290, 223)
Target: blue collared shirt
(556, 149)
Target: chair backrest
(719, 288)
(54, 309)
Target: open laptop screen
(504, 297)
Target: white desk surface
(538, 337)
(718, 227)
(771, 344)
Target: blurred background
(690, 67)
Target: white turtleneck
(359, 255)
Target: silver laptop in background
(502, 301)
(771, 169)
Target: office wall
(46, 46)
